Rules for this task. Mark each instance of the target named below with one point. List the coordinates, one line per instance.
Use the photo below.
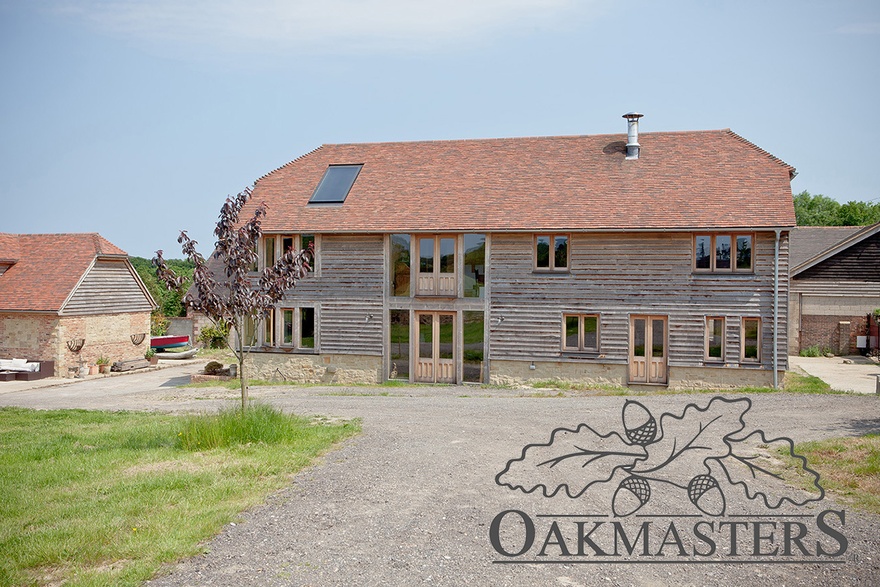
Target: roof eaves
(846, 243)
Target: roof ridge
(772, 157)
(291, 162)
(518, 138)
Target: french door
(435, 360)
(647, 349)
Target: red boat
(168, 342)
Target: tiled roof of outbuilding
(47, 268)
(681, 181)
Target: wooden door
(435, 359)
(647, 354)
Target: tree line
(821, 210)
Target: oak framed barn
(659, 259)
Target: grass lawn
(100, 498)
(849, 468)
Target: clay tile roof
(682, 180)
(47, 268)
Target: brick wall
(44, 337)
(824, 331)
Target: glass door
(647, 357)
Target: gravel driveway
(411, 500)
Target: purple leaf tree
(228, 289)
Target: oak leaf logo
(687, 451)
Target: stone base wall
(340, 369)
(688, 378)
(518, 373)
(29, 336)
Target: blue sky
(136, 118)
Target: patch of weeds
(849, 468)
(815, 351)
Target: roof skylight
(335, 185)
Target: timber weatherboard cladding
(109, 287)
(347, 290)
(619, 275)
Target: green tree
(170, 302)
(821, 210)
(858, 214)
(815, 210)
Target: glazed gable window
(551, 252)
(580, 333)
(723, 253)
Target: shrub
(815, 351)
(214, 337)
(158, 324)
(213, 368)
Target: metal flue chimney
(632, 134)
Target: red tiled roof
(682, 180)
(47, 268)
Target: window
(269, 251)
(276, 245)
(581, 332)
(269, 330)
(716, 252)
(335, 184)
(473, 351)
(399, 344)
(298, 328)
(551, 252)
(474, 265)
(400, 265)
(436, 269)
(714, 339)
(751, 340)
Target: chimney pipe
(632, 134)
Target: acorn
(640, 425)
(631, 495)
(704, 492)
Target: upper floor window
(400, 265)
(551, 252)
(581, 332)
(474, 265)
(273, 246)
(433, 265)
(723, 252)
